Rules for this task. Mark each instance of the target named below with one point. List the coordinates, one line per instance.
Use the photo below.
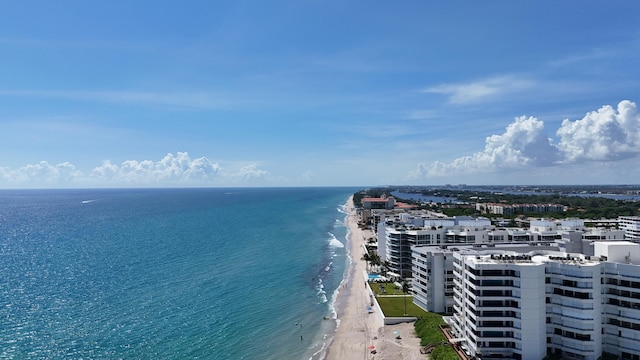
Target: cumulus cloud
(524, 143)
(171, 169)
(250, 172)
(177, 169)
(463, 93)
(42, 174)
(307, 175)
(603, 135)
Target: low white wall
(398, 320)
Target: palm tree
(366, 257)
(386, 265)
(375, 260)
(405, 290)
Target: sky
(318, 93)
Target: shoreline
(356, 328)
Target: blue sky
(317, 93)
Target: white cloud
(41, 174)
(251, 172)
(177, 169)
(172, 170)
(608, 134)
(308, 176)
(464, 93)
(524, 143)
(605, 134)
(571, 60)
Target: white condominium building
(527, 306)
(631, 227)
(398, 235)
(433, 279)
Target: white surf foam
(334, 242)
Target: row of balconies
(623, 293)
(580, 304)
(498, 313)
(488, 282)
(572, 294)
(573, 324)
(494, 334)
(624, 321)
(558, 273)
(569, 283)
(579, 348)
(495, 293)
(496, 304)
(615, 301)
(623, 283)
(495, 323)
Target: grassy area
(427, 325)
(427, 329)
(394, 306)
(389, 288)
(429, 333)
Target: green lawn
(427, 325)
(389, 288)
(393, 306)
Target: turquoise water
(170, 273)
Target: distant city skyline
(280, 93)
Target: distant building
(399, 232)
(512, 209)
(631, 227)
(383, 202)
(373, 207)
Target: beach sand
(358, 329)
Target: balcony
(497, 314)
(495, 324)
(486, 283)
(495, 293)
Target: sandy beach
(359, 331)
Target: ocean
(208, 273)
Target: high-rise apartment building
(631, 227)
(527, 305)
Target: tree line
(592, 207)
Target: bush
(444, 352)
(427, 329)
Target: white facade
(498, 310)
(433, 279)
(397, 235)
(621, 315)
(398, 243)
(574, 307)
(526, 306)
(631, 227)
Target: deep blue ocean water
(170, 273)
